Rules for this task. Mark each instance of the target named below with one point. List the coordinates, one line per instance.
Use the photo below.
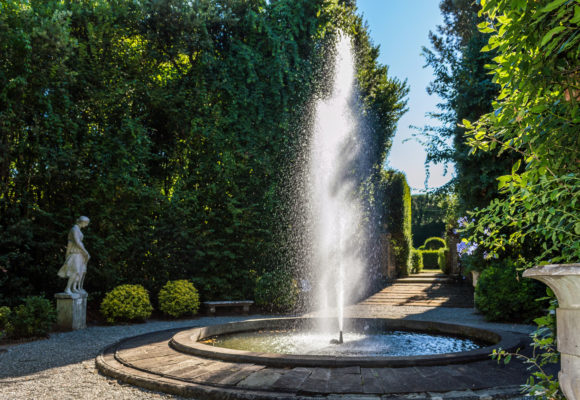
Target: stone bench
(212, 305)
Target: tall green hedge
(172, 125)
(397, 213)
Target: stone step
(429, 302)
(423, 280)
(424, 290)
(415, 297)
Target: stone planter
(564, 280)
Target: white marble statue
(77, 257)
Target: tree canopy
(467, 90)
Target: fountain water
(336, 167)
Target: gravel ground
(63, 366)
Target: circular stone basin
(368, 342)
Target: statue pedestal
(564, 280)
(71, 310)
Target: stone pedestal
(71, 310)
(387, 258)
(474, 278)
(564, 280)
(452, 241)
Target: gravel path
(63, 366)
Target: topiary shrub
(179, 298)
(35, 317)
(126, 303)
(442, 260)
(416, 261)
(276, 291)
(434, 243)
(430, 259)
(503, 295)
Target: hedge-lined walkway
(426, 289)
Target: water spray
(336, 167)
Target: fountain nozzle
(339, 341)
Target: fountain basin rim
(188, 342)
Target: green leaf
(576, 18)
(553, 5)
(548, 36)
(516, 166)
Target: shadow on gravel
(63, 349)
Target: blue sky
(401, 29)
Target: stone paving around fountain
(148, 361)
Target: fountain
(336, 167)
(291, 357)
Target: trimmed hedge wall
(430, 259)
(397, 210)
(435, 243)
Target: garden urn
(564, 280)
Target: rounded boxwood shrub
(276, 291)
(503, 295)
(126, 303)
(178, 298)
(435, 243)
(416, 261)
(35, 317)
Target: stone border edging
(188, 342)
(109, 366)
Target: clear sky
(401, 29)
